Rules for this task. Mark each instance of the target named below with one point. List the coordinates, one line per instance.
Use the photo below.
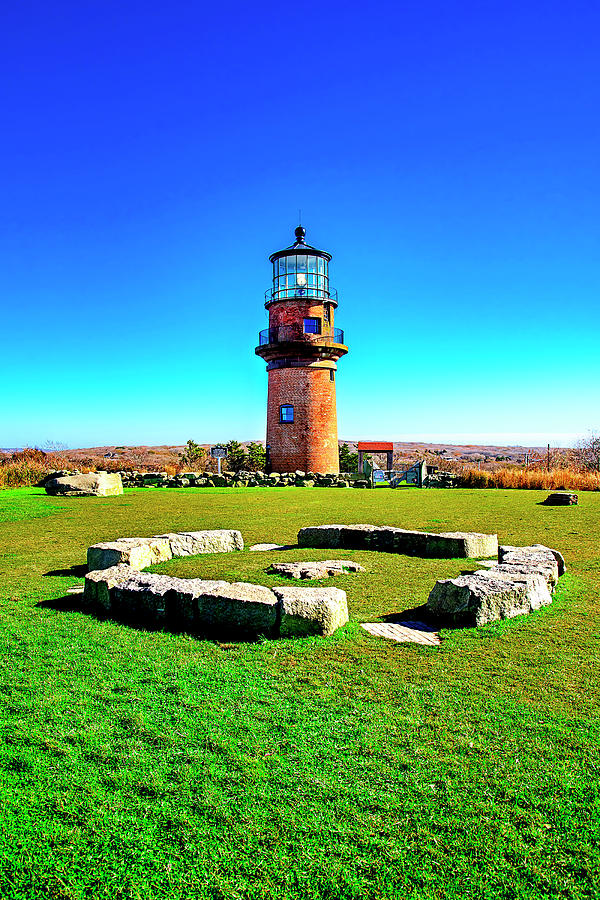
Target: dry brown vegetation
(568, 468)
(532, 479)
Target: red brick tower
(301, 348)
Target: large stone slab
(95, 484)
(97, 586)
(191, 543)
(139, 553)
(507, 554)
(238, 608)
(319, 569)
(385, 538)
(307, 611)
(478, 599)
(193, 603)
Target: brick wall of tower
(293, 312)
(310, 442)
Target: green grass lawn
(145, 764)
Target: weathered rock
(387, 539)
(139, 553)
(539, 588)
(193, 603)
(525, 553)
(539, 559)
(311, 610)
(97, 586)
(321, 569)
(478, 599)
(238, 608)
(561, 498)
(522, 581)
(190, 543)
(95, 484)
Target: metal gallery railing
(284, 333)
(305, 292)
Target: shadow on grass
(68, 603)
(224, 637)
(74, 572)
(420, 619)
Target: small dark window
(331, 375)
(286, 413)
(312, 326)
(326, 315)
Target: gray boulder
(385, 538)
(482, 598)
(138, 553)
(95, 484)
(191, 543)
(527, 554)
(307, 611)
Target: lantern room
(300, 271)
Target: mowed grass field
(145, 764)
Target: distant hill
(165, 454)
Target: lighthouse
(301, 348)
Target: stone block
(139, 553)
(97, 586)
(468, 544)
(194, 603)
(191, 543)
(387, 539)
(561, 498)
(318, 569)
(478, 599)
(237, 608)
(307, 611)
(525, 553)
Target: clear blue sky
(154, 154)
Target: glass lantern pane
(291, 265)
(312, 263)
(301, 262)
(282, 266)
(320, 264)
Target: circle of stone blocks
(214, 606)
(318, 569)
(386, 539)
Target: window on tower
(286, 413)
(312, 326)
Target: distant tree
(587, 452)
(236, 456)
(193, 455)
(257, 457)
(348, 460)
